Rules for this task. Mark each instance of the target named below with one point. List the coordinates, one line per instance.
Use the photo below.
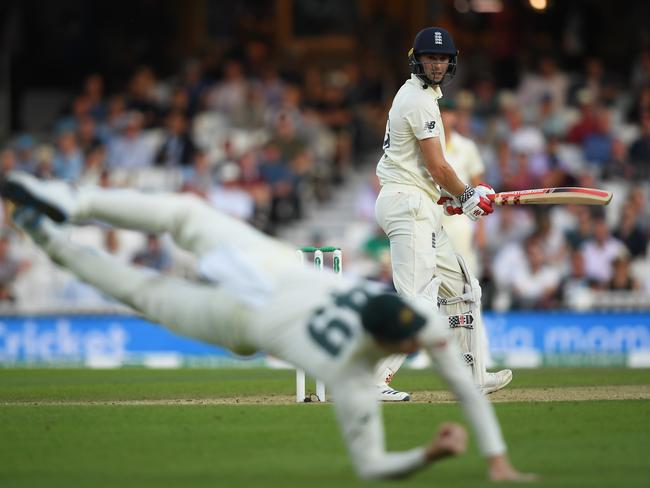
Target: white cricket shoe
(55, 199)
(388, 394)
(496, 381)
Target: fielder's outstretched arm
(359, 414)
(477, 409)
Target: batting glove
(450, 205)
(474, 202)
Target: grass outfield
(51, 434)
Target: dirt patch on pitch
(573, 394)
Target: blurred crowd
(258, 144)
(253, 143)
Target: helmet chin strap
(426, 81)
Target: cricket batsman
(415, 175)
(336, 329)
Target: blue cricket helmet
(433, 40)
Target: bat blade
(553, 196)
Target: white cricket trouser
(460, 231)
(420, 249)
(206, 311)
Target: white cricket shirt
(414, 116)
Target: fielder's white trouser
(420, 250)
(210, 313)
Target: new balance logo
(433, 240)
(430, 125)
(437, 37)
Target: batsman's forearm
(446, 177)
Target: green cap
(389, 318)
(447, 103)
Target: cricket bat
(565, 195)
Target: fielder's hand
(500, 469)
(451, 440)
(474, 201)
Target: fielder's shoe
(387, 394)
(41, 229)
(52, 198)
(496, 381)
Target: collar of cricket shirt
(436, 92)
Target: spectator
(618, 165)
(93, 89)
(10, 268)
(557, 173)
(548, 81)
(145, 96)
(116, 119)
(630, 232)
(551, 119)
(587, 123)
(198, 179)
(68, 159)
(131, 149)
(25, 158)
(524, 138)
(94, 166)
(638, 198)
(622, 279)
(271, 85)
(575, 288)
(250, 180)
(7, 161)
(290, 143)
(153, 255)
(229, 197)
(179, 101)
(486, 104)
(600, 252)
(508, 225)
(229, 95)
(45, 162)
(285, 200)
(592, 79)
(640, 77)
(178, 148)
(335, 111)
(520, 178)
(583, 231)
(194, 84)
(535, 284)
(639, 154)
(87, 136)
(597, 145)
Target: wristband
(466, 195)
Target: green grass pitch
(52, 434)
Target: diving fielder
(255, 296)
(414, 174)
